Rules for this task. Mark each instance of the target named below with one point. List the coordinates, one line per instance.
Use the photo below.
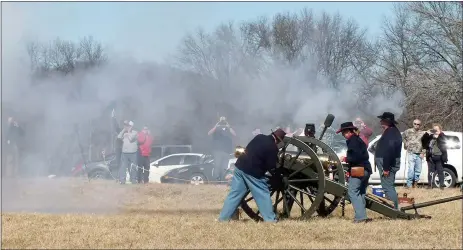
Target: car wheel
(98, 174)
(450, 179)
(197, 179)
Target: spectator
(145, 140)
(387, 155)
(364, 131)
(223, 145)
(129, 153)
(436, 154)
(357, 156)
(261, 156)
(415, 152)
(14, 135)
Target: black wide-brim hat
(279, 134)
(346, 125)
(388, 116)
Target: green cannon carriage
(310, 177)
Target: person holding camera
(129, 152)
(433, 141)
(222, 145)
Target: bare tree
(421, 54)
(338, 45)
(92, 52)
(65, 56)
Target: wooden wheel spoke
(302, 191)
(301, 197)
(277, 201)
(310, 197)
(302, 180)
(297, 171)
(297, 202)
(326, 198)
(294, 159)
(285, 205)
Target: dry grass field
(71, 213)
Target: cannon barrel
(431, 203)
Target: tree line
(419, 52)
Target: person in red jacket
(365, 132)
(145, 140)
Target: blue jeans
(387, 183)
(240, 184)
(356, 191)
(126, 161)
(414, 168)
(221, 163)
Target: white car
(452, 169)
(161, 166)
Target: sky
(153, 30)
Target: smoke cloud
(178, 106)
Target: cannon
(310, 178)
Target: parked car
(167, 163)
(452, 169)
(196, 174)
(105, 169)
(159, 151)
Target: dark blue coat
(357, 154)
(261, 156)
(389, 148)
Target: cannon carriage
(310, 181)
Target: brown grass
(182, 216)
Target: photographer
(436, 153)
(129, 152)
(222, 145)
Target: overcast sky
(152, 30)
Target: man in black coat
(261, 155)
(387, 155)
(357, 156)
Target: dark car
(205, 173)
(106, 169)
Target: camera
(433, 131)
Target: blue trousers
(387, 183)
(126, 161)
(241, 183)
(356, 190)
(414, 168)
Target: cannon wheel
(293, 177)
(330, 202)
